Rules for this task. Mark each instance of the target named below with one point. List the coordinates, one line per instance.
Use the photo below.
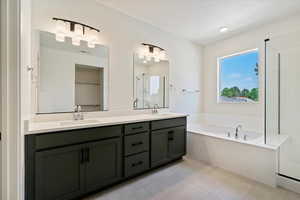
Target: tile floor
(191, 180)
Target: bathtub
(248, 157)
(228, 133)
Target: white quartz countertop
(54, 126)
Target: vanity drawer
(136, 164)
(136, 128)
(136, 143)
(64, 138)
(168, 123)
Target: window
(239, 78)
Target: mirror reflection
(151, 83)
(70, 75)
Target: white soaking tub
(249, 157)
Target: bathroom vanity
(71, 161)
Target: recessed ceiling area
(201, 20)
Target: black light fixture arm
(151, 47)
(72, 24)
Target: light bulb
(156, 59)
(145, 49)
(156, 51)
(92, 37)
(162, 55)
(148, 57)
(61, 30)
(141, 55)
(141, 52)
(78, 34)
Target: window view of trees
(239, 78)
(236, 92)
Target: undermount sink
(78, 122)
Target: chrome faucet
(155, 109)
(237, 129)
(135, 103)
(78, 115)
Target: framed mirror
(70, 75)
(151, 83)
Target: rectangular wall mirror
(151, 83)
(70, 75)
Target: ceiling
(200, 20)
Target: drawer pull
(136, 128)
(137, 143)
(137, 164)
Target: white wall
(123, 34)
(250, 40)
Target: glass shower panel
(150, 91)
(272, 95)
(283, 99)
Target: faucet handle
(78, 108)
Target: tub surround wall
(253, 162)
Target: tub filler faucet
(237, 130)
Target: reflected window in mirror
(151, 83)
(70, 75)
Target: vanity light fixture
(148, 52)
(77, 31)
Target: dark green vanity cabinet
(168, 140)
(66, 165)
(69, 164)
(59, 173)
(103, 165)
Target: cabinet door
(159, 148)
(59, 173)
(177, 142)
(103, 163)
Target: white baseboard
(288, 184)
